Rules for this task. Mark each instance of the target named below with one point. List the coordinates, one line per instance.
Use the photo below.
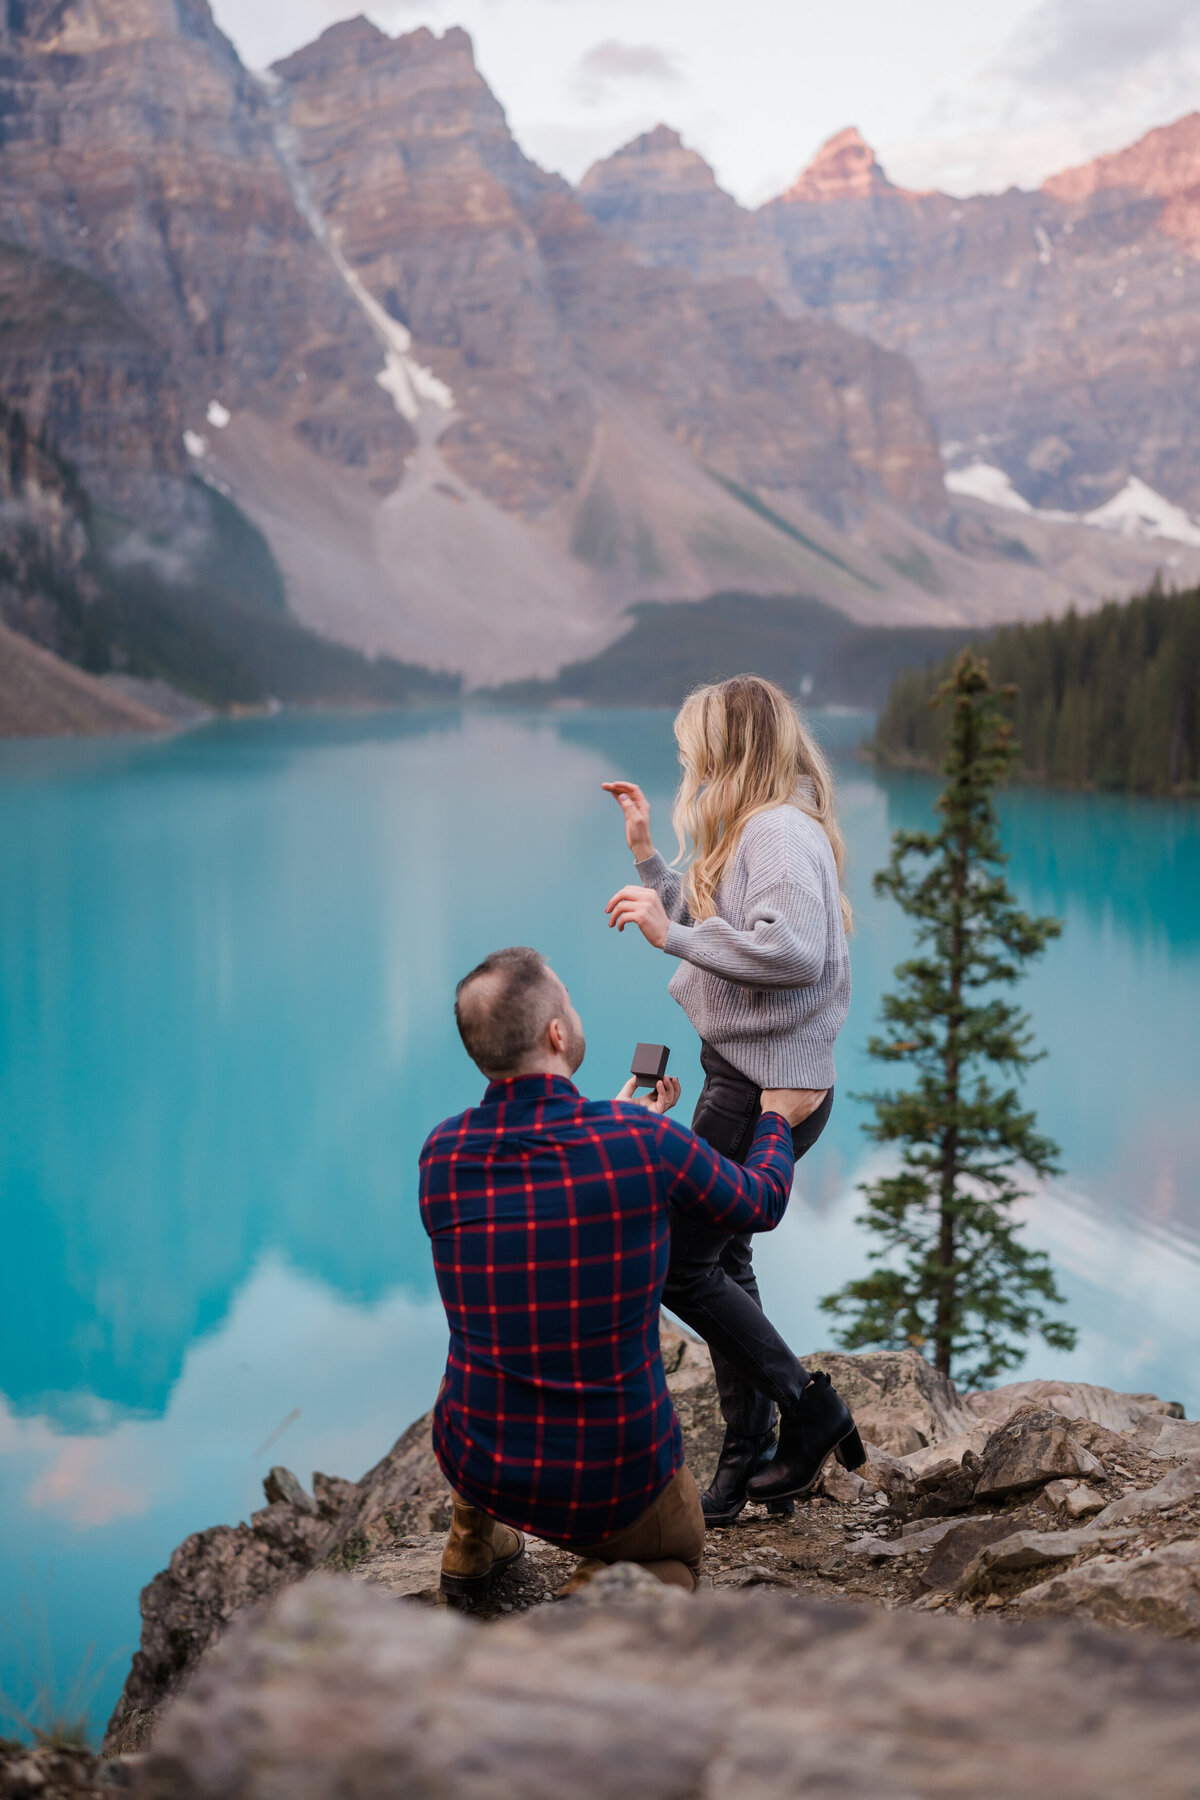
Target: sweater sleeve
(657, 874)
(711, 1188)
(784, 933)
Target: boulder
(389, 1523)
(885, 1474)
(899, 1400)
(1022, 1550)
(961, 1543)
(625, 1581)
(1119, 1413)
(909, 1543)
(1167, 1437)
(948, 1487)
(408, 1570)
(1159, 1590)
(340, 1693)
(282, 1486)
(689, 1372)
(1074, 1498)
(1035, 1446)
(214, 1574)
(846, 1486)
(57, 1772)
(931, 1467)
(1174, 1489)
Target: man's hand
(642, 907)
(636, 807)
(796, 1104)
(660, 1101)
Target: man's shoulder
(661, 1139)
(565, 1120)
(620, 1115)
(446, 1133)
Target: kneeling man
(549, 1221)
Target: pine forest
(1107, 700)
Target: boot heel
(781, 1509)
(850, 1452)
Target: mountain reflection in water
(226, 966)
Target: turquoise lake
(226, 970)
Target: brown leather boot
(477, 1548)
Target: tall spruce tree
(952, 1275)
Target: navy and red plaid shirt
(548, 1215)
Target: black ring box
(649, 1064)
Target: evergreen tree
(951, 1270)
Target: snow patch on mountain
(983, 481)
(1136, 512)
(408, 382)
(416, 392)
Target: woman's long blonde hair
(744, 748)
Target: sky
(967, 97)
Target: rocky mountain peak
(348, 35)
(1164, 164)
(78, 27)
(359, 44)
(663, 200)
(663, 137)
(658, 159)
(844, 168)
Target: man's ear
(556, 1036)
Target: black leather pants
(710, 1282)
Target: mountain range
(461, 415)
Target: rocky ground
(1033, 1505)
(1019, 1504)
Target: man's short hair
(502, 1008)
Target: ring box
(649, 1064)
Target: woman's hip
(729, 1107)
(727, 1111)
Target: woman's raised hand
(642, 907)
(636, 807)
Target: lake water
(226, 965)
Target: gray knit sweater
(766, 981)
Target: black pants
(711, 1284)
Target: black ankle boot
(740, 1458)
(821, 1425)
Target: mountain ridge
(473, 423)
(1051, 328)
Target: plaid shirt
(548, 1215)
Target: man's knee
(673, 1573)
(683, 1525)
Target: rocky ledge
(1020, 1503)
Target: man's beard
(576, 1045)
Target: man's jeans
(711, 1284)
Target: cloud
(1068, 45)
(1077, 78)
(77, 1485)
(611, 64)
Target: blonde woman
(758, 923)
